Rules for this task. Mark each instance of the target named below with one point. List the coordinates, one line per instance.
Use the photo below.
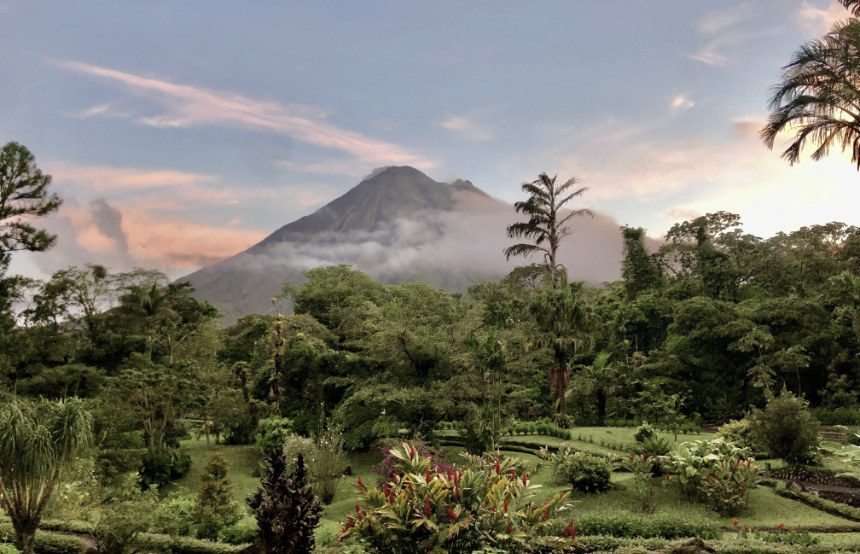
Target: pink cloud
(112, 178)
(189, 106)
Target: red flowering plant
(455, 510)
(640, 465)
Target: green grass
(244, 461)
(766, 509)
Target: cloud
(821, 21)
(465, 128)
(123, 237)
(108, 221)
(350, 168)
(99, 177)
(722, 27)
(718, 21)
(189, 106)
(775, 194)
(681, 102)
(449, 249)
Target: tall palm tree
(36, 444)
(546, 225)
(819, 96)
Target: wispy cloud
(189, 106)
(466, 128)
(100, 177)
(723, 29)
(820, 21)
(351, 168)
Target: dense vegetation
(105, 377)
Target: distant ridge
(398, 225)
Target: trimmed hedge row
(827, 506)
(659, 526)
(47, 542)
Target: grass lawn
(766, 509)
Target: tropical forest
(706, 401)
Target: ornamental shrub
(286, 509)
(457, 511)
(272, 433)
(739, 433)
(215, 508)
(715, 472)
(786, 429)
(582, 471)
(644, 432)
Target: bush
(215, 508)
(162, 466)
(272, 432)
(644, 432)
(488, 507)
(716, 472)
(8, 549)
(657, 526)
(739, 433)
(286, 509)
(584, 472)
(786, 429)
(641, 466)
(387, 468)
(328, 462)
(656, 446)
(173, 516)
(239, 533)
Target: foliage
(387, 468)
(716, 472)
(739, 433)
(242, 532)
(640, 465)
(477, 430)
(272, 433)
(328, 461)
(546, 225)
(285, 507)
(37, 442)
(583, 471)
(162, 466)
(659, 525)
(215, 508)
(644, 432)
(786, 429)
(815, 98)
(23, 195)
(455, 511)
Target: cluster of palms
(818, 98)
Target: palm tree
(852, 5)
(562, 321)
(546, 225)
(36, 444)
(819, 96)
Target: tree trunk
(25, 535)
(559, 379)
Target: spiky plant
(37, 441)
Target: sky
(180, 133)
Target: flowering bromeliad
(489, 505)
